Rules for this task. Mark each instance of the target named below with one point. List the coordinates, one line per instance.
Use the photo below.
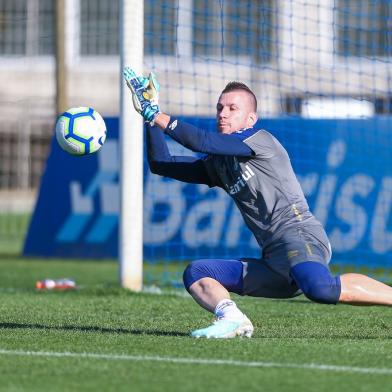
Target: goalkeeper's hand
(145, 94)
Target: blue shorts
(269, 276)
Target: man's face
(234, 111)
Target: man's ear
(252, 119)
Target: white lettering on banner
(80, 203)
(324, 198)
(335, 157)
(381, 239)
(353, 215)
(346, 209)
(109, 189)
(336, 153)
(308, 183)
(110, 199)
(108, 157)
(212, 209)
(103, 182)
(167, 192)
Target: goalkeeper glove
(145, 94)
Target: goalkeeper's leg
(358, 289)
(317, 283)
(211, 281)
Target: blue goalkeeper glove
(145, 94)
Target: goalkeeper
(255, 170)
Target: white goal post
(131, 150)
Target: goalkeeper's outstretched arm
(183, 168)
(145, 97)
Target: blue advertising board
(344, 167)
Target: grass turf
(100, 318)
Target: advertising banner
(344, 167)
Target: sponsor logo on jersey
(241, 181)
(173, 125)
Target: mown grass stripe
(201, 361)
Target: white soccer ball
(80, 131)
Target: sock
(228, 309)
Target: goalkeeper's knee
(227, 272)
(316, 282)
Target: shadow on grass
(90, 329)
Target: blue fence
(344, 166)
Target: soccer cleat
(225, 329)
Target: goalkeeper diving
(254, 169)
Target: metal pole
(131, 151)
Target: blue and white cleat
(225, 329)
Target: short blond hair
(239, 86)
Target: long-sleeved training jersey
(250, 165)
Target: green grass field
(101, 337)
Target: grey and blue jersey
(263, 186)
(255, 170)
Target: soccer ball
(80, 131)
